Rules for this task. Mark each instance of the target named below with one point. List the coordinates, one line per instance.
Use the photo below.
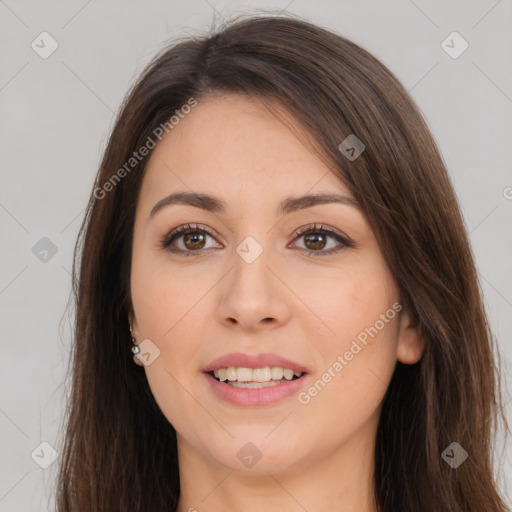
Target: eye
(192, 237)
(193, 240)
(316, 237)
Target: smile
(249, 391)
(253, 378)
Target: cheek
(169, 312)
(164, 294)
(346, 394)
(350, 301)
(358, 360)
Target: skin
(314, 456)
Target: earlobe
(132, 322)
(411, 342)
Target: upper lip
(238, 360)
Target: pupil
(318, 245)
(194, 237)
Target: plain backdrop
(56, 114)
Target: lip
(238, 359)
(253, 397)
(260, 396)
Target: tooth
(244, 374)
(231, 373)
(288, 374)
(255, 385)
(261, 374)
(265, 374)
(277, 373)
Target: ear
(133, 324)
(411, 342)
(135, 334)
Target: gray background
(56, 114)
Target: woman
(274, 235)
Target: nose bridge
(252, 293)
(251, 260)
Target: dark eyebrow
(293, 204)
(217, 205)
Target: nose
(253, 297)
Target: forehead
(236, 147)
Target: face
(265, 284)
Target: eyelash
(167, 240)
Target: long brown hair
(119, 451)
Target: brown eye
(194, 241)
(186, 240)
(317, 238)
(315, 241)
(189, 239)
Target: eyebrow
(217, 205)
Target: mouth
(249, 380)
(255, 378)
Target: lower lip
(250, 397)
